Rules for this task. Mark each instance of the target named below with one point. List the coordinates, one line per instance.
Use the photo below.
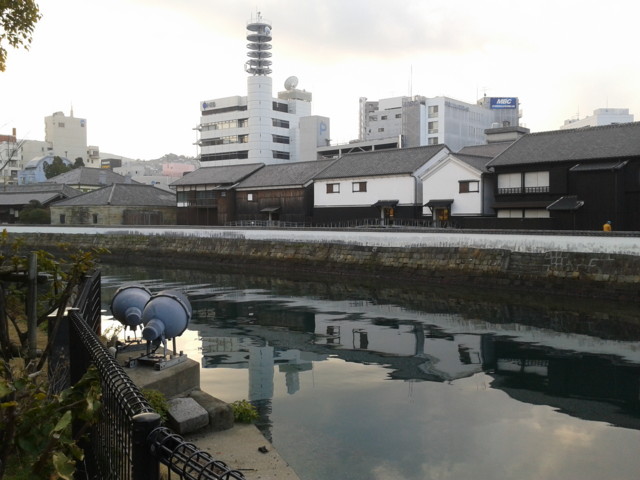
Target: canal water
(374, 381)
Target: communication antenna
(291, 83)
(259, 38)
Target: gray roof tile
(581, 144)
(90, 177)
(382, 162)
(224, 175)
(123, 194)
(285, 174)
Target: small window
(249, 197)
(381, 129)
(359, 186)
(333, 188)
(95, 218)
(467, 186)
(63, 218)
(398, 115)
(384, 117)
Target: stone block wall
(612, 276)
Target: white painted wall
(401, 188)
(442, 182)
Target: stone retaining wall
(611, 276)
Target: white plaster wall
(441, 182)
(378, 188)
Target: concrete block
(220, 413)
(172, 381)
(186, 415)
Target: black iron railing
(129, 441)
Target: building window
(280, 139)
(63, 218)
(359, 187)
(433, 111)
(432, 141)
(281, 155)
(249, 197)
(381, 129)
(510, 213)
(281, 107)
(537, 213)
(468, 186)
(398, 115)
(333, 188)
(384, 117)
(509, 183)
(433, 127)
(61, 124)
(95, 218)
(536, 182)
(373, 118)
(276, 122)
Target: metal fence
(129, 441)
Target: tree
(18, 19)
(37, 440)
(56, 167)
(34, 213)
(79, 163)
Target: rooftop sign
(504, 103)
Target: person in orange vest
(607, 226)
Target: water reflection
(363, 381)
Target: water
(360, 381)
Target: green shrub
(158, 402)
(244, 412)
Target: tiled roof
(581, 144)
(382, 162)
(225, 175)
(90, 177)
(489, 150)
(40, 187)
(16, 199)
(123, 194)
(477, 162)
(285, 174)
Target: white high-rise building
(600, 117)
(67, 136)
(418, 121)
(256, 128)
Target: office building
(600, 117)
(418, 121)
(258, 128)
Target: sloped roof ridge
(584, 129)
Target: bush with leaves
(39, 432)
(36, 434)
(244, 412)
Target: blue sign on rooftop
(504, 102)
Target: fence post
(144, 466)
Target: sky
(137, 70)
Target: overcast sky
(138, 69)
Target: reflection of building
(261, 361)
(578, 375)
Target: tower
(259, 90)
